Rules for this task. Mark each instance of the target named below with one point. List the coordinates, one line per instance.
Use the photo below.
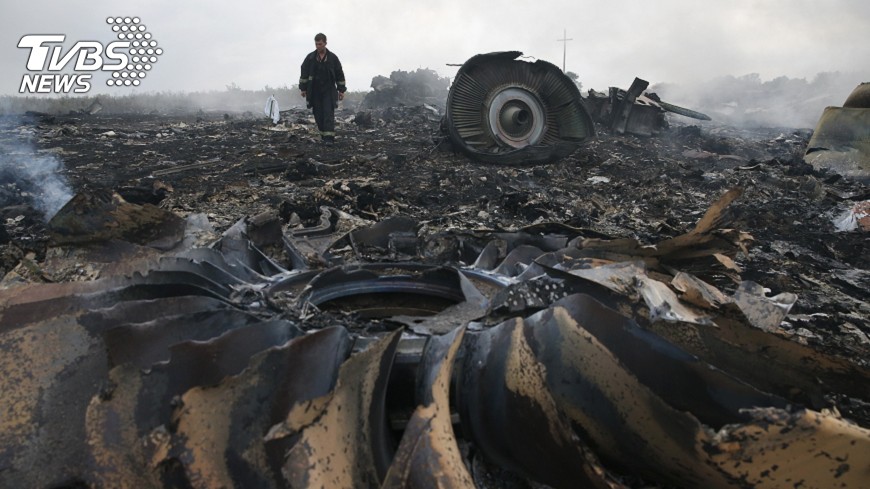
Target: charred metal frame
(507, 111)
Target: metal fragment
(507, 410)
(343, 442)
(428, 455)
(841, 139)
(222, 432)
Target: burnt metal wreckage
(508, 111)
(501, 109)
(555, 353)
(635, 111)
(841, 139)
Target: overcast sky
(253, 43)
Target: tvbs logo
(127, 59)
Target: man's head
(320, 42)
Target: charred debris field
(228, 302)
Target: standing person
(322, 85)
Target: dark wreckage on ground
(378, 314)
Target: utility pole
(564, 42)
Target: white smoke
(750, 101)
(34, 178)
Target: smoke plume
(28, 177)
(750, 102)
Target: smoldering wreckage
(227, 303)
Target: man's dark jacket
(336, 80)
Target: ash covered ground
(229, 166)
(620, 186)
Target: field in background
(745, 101)
(233, 99)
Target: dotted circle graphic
(144, 50)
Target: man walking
(322, 85)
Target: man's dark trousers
(324, 113)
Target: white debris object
(272, 110)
